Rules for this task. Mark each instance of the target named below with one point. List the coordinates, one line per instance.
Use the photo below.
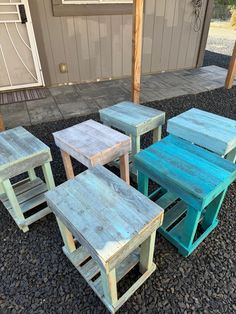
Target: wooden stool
(92, 143)
(21, 152)
(134, 120)
(194, 182)
(213, 132)
(114, 223)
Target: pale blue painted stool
(22, 152)
(134, 120)
(193, 185)
(208, 130)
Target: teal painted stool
(21, 152)
(193, 185)
(208, 130)
(103, 213)
(134, 120)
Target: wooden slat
(232, 70)
(35, 217)
(2, 125)
(166, 200)
(174, 213)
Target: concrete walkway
(76, 100)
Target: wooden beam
(137, 49)
(2, 126)
(232, 70)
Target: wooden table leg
(109, 286)
(32, 174)
(47, 172)
(67, 237)
(146, 253)
(157, 134)
(124, 168)
(68, 165)
(232, 155)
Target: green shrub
(233, 19)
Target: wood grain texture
(92, 143)
(186, 170)
(216, 133)
(232, 70)
(137, 49)
(132, 118)
(20, 151)
(2, 125)
(105, 214)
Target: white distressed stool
(21, 152)
(115, 225)
(93, 143)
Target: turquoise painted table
(134, 120)
(193, 185)
(208, 130)
(21, 152)
(104, 215)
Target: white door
(19, 60)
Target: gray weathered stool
(93, 143)
(21, 152)
(213, 132)
(134, 120)
(115, 225)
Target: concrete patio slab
(82, 99)
(43, 110)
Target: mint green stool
(21, 152)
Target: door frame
(34, 49)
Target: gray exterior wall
(99, 47)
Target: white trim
(96, 1)
(15, 87)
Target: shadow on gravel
(213, 58)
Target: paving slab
(43, 110)
(15, 114)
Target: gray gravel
(36, 277)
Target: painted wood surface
(99, 47)
(189, 171)
(2, 125)
(216, 133)
(132, 118)
(92, 143)
(20, 151)
(106, 215)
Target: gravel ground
(36, 277)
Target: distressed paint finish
(213, 132)
(194, 182)
(21, 152)
(103, 214)
(93, 143)
(134, 120)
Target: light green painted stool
(134, 120)
(21, 152)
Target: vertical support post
(157, 134)
(124, 168)
(68, 165)
(47, 172)
(109, 286)
(31, 174)
(135, 141)
(232, 70)
(137, 49)
(146, 253)
(231, 156)
(67, 237)
(2, 125)
(143, 183)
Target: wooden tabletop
(106, 215)
(133, 118)
(20, 151)
(92, 143)
(205, 129)
(188, 171)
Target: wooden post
(2, 126)
(232, 70)
(137, 49)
